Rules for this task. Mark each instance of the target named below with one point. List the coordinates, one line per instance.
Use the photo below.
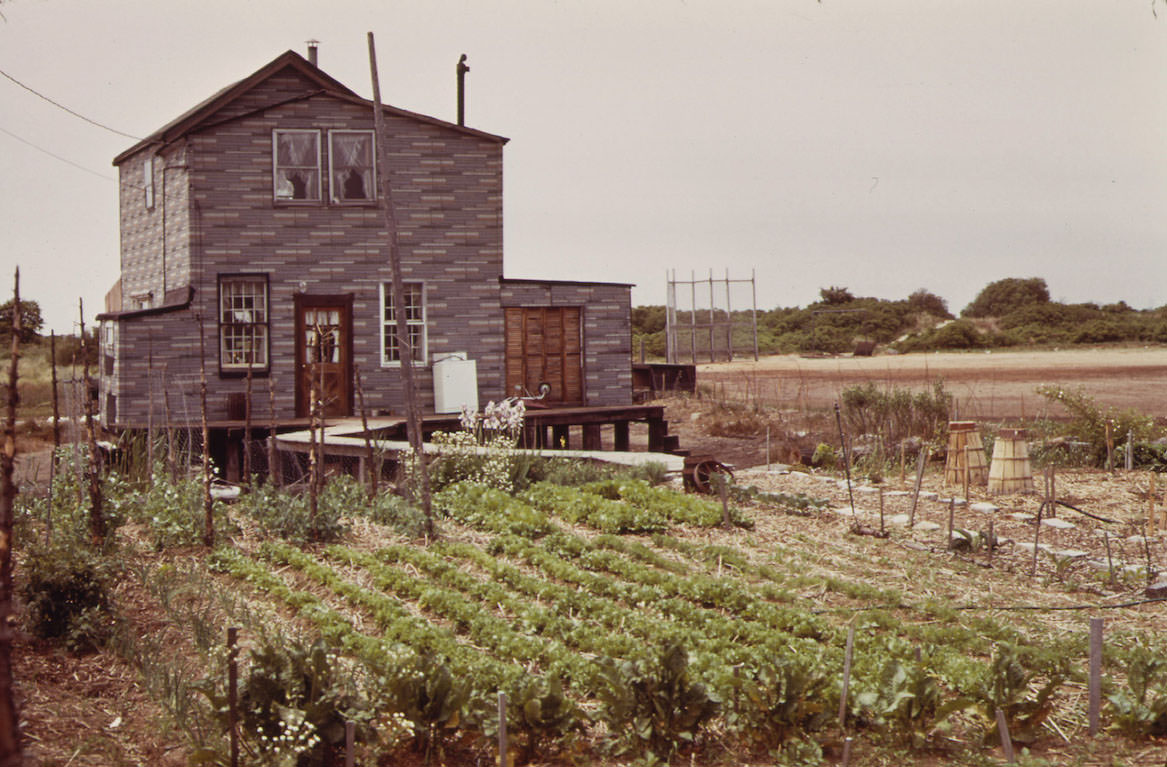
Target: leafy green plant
(1140, 708)
(284, 515)
(1010, 686)
(538, 708)
(653, 703)
(905, 702)
(68, 594)
(781, 699)
(293, 702)
(426, 692)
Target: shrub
(1003, 296)
(1089, 421)
(1140, 709)
(893, 415)
(68, 595)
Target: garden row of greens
(601, 616)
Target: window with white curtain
(296, 162)
(352, 169)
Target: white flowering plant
(484, 451)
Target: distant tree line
(1006, 313)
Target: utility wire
(58, 105)
(56, 156)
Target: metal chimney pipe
(312, 44)
(462, 70)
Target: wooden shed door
(324, 350)
(544, 345)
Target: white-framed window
(414, 320)
(352, 166)
(296, 165)
(148, 181)
(243, 322)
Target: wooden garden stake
(846, 462)
(991, 542)
(966, 471)
(847, 741)
(1129, 461)
(920, 461)
(1095, 674)
(767, 426)
(150, 404)
(208, 506)
(273, 459)
(723, 488)
(350, 736)
(11, 750)
(1036, 537)
(502, 728)
(97, 527)
(846, 676)
(951, 516)
(247, 413)
(881, 528)
(370, 455)
(56, 434)
(1110, 446)
(1006, 741)
(903, 459)
(232, 690)
(1109, 559)
(1152, 522)
(171, 459)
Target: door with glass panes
(324, 353)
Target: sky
(879, 146)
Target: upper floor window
(414, 322)
(352, 170)
(243, 328)
(148, 181)
(297, 165)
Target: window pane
(243, 336)
(296, 149)
(414, 318)
(352, 165)
(297, 171)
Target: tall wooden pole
(412, 410)
(97, 528)
(208, 505)
(247, 413)
(11, 753)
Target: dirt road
(984, 385)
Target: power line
(56, 156)
(58, 105)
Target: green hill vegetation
(1007, 313)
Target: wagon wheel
(699, 474)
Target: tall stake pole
(412, 410)
(208, 506)
(247, 413)
(150, 405)
(10, 747)
(56, 433)
(96, 511)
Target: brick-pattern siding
(607, 334)
(220, 218)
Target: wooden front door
(324, 352)
(544, 344)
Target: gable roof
(203, 113)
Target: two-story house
(253, 219)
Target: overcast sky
(880, 146)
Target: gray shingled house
(255, 216)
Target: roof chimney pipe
(462, 70)
(312, 52)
